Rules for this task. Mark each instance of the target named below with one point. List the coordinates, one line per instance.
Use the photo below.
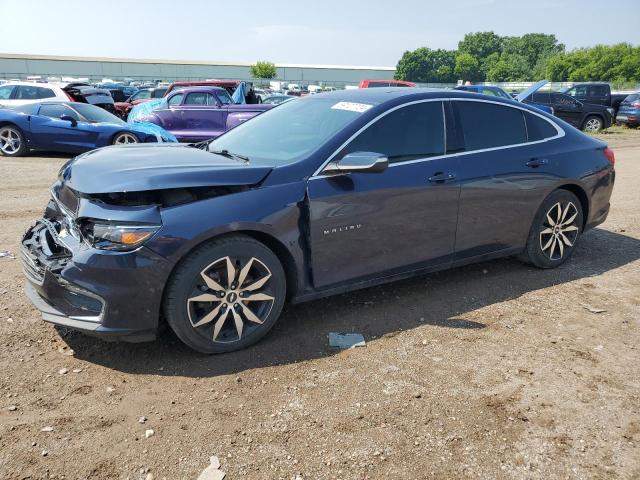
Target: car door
(567, 108)
(49, 132)
(504, 173)
(202, 116)
(171, 116)
(371, 224)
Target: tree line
(487, 57)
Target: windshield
(95, 114)
(290, 131)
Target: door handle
(537, 162)
(442, 177)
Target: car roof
(384, 94)
(32, 84)
(199, 88)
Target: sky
(325, 32)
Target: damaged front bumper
(104, 293)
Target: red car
(385, 83)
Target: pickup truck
(596, 93)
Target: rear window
(488, 125)
(632, 98)
(538, 128)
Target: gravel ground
(495, 370)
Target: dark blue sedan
(68, 127)
(320, 196)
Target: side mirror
(69, 118)
(359, 162)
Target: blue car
(493, 91)
(320, 196)
(69, 127)
(629, 111)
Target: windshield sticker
(352, 107)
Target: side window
(409, 133)
(45, 93)
(538, 128)
(196, 98)
(541, 97)
(6, 91)
(598, 91)
(175, 100)
(224, 98)
(578, 91)
(56, 110)
(27, 92)
(487, 125)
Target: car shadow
(441, 300)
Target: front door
(567, 108)
(202, 117)
(372, 224)
(52, 133)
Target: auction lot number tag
(352, 107)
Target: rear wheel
(592, 124)
(12, 142)
(124, 138)
(555, 231)
(226, 295)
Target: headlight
(109, 236)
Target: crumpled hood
(133, 168)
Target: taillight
(70, 97)
(610, 156)
(636, 104)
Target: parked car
(493, 91)
(629, 111)
(367, 187)
(23, 93)
(596, 93)
(229, 85)
(69, 127)
(385, 83)
(194, 114)
(585, 116)
(84, 93)
(277, 99)
(141, 96)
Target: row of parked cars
(77, 116)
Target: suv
(22, 93)
(585, 116)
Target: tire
(210, 324)
(124, 138)
(12, 142)
(549, 245)
(592, 124)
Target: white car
(21, 93)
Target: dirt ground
(496, 370)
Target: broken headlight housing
(112, 236)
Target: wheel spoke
(548, 244)
(566, 240)
(564, 214)
(205, 297)
(244, 272)
(570, 220)
(209, 317)
(218, 325)
(546, 231)
(550, 220)
(258, 283)
(571, 228)
(238, 321)
(231, 272)
(252, 317)
(553, 247)
(211, 283)
(257, 297)
(561, 247)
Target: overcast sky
(337, 32)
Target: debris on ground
(7, 253)
(149, 433)
(346, 340)
(212, 472)
(594, 309)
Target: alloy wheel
(560, 231)
(593, 125)
(10, 141)
(124, 139)
(232, 297)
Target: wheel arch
(579, 192)
(597, 115)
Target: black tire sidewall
(22, 151)
(181, 282)
(593, 117)
(533, 252)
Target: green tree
(480, 44)
(263, 70)
(468, 68)
(533, 47)
(510, 68)
(427, 66)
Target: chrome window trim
(560, 132)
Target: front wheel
(124, 138)
(592, 124)
(12, 142)
(226, 295)
(555, 231)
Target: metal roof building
(18, 66)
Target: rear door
(365, 224)
(567, 108)
(171, 117)
(504, 175)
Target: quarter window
(56, 110)
(487, 125)
(538, 128)
(409, 133)
(175, 100)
